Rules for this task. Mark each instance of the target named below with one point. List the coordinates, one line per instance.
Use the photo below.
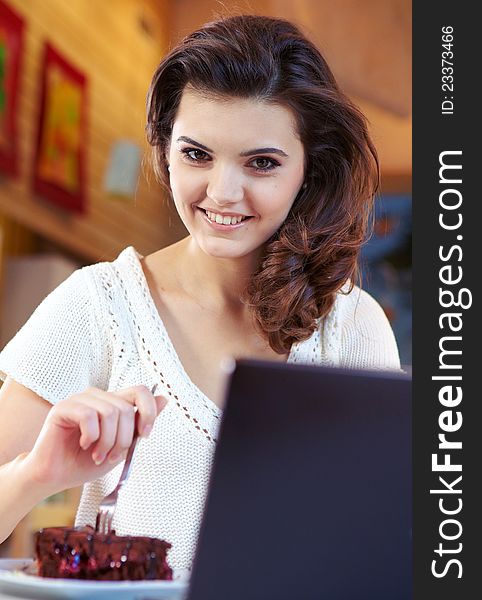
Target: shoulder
(125, 261)
(359, 306)
(102, 280)
(367, 339)
(84, 304)
(62, 348)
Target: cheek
(283, 194)
(291, 181)
(184, 191)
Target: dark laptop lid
(310, 494)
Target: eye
(263, 164)
(195, 154)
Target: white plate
(14, 581)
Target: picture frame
(11, 51)
(59, 169)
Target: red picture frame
(59, 169)
(11, 50)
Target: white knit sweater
(101, 328)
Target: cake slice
(81, 553)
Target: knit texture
(101, 328)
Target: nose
(225, 185)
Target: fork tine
(102, 522)
(100, 527)
(109, 518)
(106, 521)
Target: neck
(215, 281)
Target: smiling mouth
(224, 219)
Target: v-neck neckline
(153, 310)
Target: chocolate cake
(81, 553)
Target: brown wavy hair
(316, 250)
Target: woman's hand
(86, 435)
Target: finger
(125, 429)
(161, 403)
(146, 404)
(89, 428)
(77, 414)
(125, 426)
(117, 459)
(108, 415)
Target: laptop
(310, 492)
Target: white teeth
(224, 220)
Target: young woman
(273, 174)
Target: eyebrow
(188, 140)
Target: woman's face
(236, 166)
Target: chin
(226, 249)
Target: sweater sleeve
(367, 339)
(57, 352)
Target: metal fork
(105, 514)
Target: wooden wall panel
(368, 46)
(118, 56)
(117, 45)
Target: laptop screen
(310, 493)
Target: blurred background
(75, 181)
